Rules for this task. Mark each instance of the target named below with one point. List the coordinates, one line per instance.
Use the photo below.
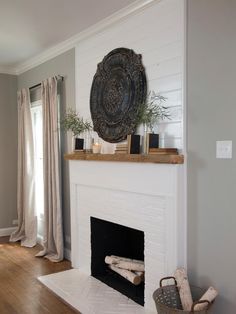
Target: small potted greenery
(77, 125)
(149, 114)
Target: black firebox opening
(108, 238)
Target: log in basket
(167, 299)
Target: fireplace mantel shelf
(157, 158)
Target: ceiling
(29, 27)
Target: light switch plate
(224, 149)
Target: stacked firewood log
(134, 271)
(185, 292)
(130, 269)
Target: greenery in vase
(152, 110)
(74, 123)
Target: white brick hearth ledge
(89, 295)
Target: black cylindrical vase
(79, 144)
(134, 146)
(153, 140)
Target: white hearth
(147, 197)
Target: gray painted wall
(64, 65)
(211, 114)
(8, 150)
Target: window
(37, 125)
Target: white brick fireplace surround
(147, 197)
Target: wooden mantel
(152, 158)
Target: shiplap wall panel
(157, 33)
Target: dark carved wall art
(118, 88)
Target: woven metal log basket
(167, 299)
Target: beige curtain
(53, 233)
(27, 221)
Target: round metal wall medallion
(118, 89)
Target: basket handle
(199, 302)
(167, 278)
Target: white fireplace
(146, 197)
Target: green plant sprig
(151, 111)
(72, 122)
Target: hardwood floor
(20, 291)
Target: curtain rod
(39, 84)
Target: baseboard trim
(4, 232)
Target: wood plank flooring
(20, 291)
